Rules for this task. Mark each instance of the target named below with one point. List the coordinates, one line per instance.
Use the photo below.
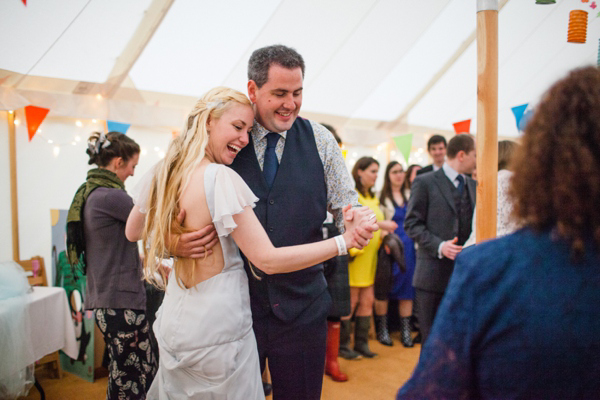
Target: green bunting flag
(404, 145)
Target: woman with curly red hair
(520, 317)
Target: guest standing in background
(436, 147)
(438, 219)
(393, 203)
(504, 223)
(520, 318)
(411, 174)
(336, 274)
(115, 291)
(362, 268)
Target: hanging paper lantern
(577, 26)
(545, 1)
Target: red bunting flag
(34, 116)
(462, 126)
(24, 2)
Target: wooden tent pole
(487, 118)
(14, 205)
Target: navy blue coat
(519, 319)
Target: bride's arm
(252, 239)
(135, 224)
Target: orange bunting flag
(462, 126)
(34, 116)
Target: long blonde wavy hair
(172, 175)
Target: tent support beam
(144, 32)
(487, 119)
(14, 204)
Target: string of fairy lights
(87, 126)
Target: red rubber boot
(332, 368)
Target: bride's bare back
(197, 216)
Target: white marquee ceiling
(366, 59)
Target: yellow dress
(361, 270)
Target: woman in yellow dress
(362, 268)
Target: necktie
(461, 184)
(271, 164)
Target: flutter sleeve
(231, 194)
(141, 190)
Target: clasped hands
(360, 224)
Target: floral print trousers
(133, 362)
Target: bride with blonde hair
(204, 326)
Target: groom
(296, 169)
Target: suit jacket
(423, 170)
(432, 218)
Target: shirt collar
(259, 132)
(450, 172)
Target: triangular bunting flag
(462, 126)
(525, 119)
(518, 111)
(34, 116)
(24, 2)
(113, 126)
(404, 145)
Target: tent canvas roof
(367, 60)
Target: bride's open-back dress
(205, 336)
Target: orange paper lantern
(577, 26)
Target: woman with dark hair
(114, 290)
(520, 317)
(361, 269)
(411, 174)
(393, 203)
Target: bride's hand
(360, 223)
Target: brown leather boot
(332, 367)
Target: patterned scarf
(97, 177)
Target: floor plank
(377, 378)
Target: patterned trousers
(133, 362)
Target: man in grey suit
(436, 147)
(438, 219)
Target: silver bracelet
(341, 245)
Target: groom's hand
(363, 233)
(197, 244)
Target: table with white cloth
(50, 326)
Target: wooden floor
(372, 379)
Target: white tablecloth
(50, 321)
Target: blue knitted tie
(461, 184)
(271, 164)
